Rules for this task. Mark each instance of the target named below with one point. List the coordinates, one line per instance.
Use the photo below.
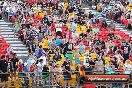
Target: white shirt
(85, 60)
(44, 60)
(118, 58)
(128, 68)
(5, 4)
(58, 29)
(8, 9)
(14, 9)
(40, 67)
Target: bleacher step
(20, 48)
(14, 42)
(7, 33)
(20, 52)
(11, 39)
(6, 28)
(18, 45)
(8, 36)
(5, 23)
(22, 55)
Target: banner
(107, 78)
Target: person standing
(126, 51)
(3, 69)
(66, 71)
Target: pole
(49, 80)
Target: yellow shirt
(98, 7)
(44, 45)
(78, 28)
(82, 73)
(71, 15)
(37, 13)
(65, 6)
(93, 55)
(68, 25)
(129, 7)
(83, 28)
(107, 59)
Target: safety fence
(56, 80)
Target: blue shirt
(37, 53)
(82, 49)
(40, 52)
(25, 69)
(77, 60)
(10, 13)
(58, 41)
(109, 70)
(96, 30)
(73, 28)
(30, 62)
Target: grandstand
(65, 44)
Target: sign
(107, 78)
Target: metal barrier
(51, 80)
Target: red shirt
(31, 2)
(32, 68)
(20, 66)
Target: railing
(52, 79)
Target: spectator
(3, 69)
(128, 67)
(30, 61)
(99, 66)
(112, 25)
(52, 34)
(66, 71)
(96, 30)
(57, 57)
(81, 48)
(104, 24)
(126, 51)
(109, 70)
(118, 57)
(45, 73)
(39, 70)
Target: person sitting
(57, 56)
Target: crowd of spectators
(64, 39)
(120, 11)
